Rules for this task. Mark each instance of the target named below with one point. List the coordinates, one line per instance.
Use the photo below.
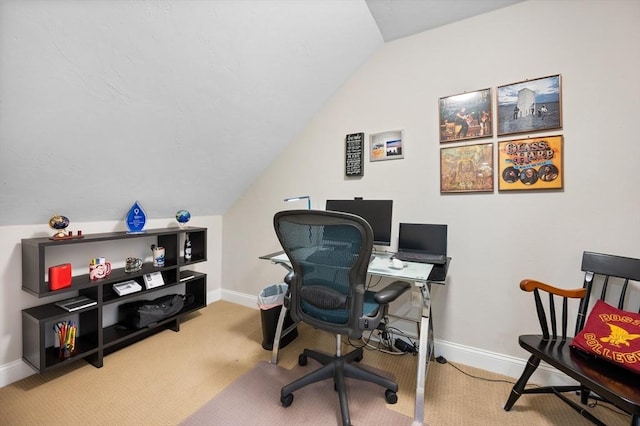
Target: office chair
(329, 254)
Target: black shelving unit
(95, 340)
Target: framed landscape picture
(466, 168)
(534, 163)
(386, 146)
(530, 106)
(466, 116)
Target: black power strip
(403, 346)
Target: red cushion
(612, 334)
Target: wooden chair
(609, 278)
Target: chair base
(338, 368)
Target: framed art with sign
(533, 163)
(530, 106)
(386, 146)
(466, 116)
(466, 168)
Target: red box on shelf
(60, 276)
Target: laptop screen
(427, 238)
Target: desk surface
(380, 265)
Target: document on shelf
(126, 287)
(153, 280)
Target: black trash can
(270, 301)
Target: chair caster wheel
(390, 396)
(302, 360)
(286, 400)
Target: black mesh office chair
(329, 254)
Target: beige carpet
(316, 404)
(165, 379)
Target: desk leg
(276, 339)
(425, 349)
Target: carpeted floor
(165, 379)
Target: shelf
(95, 340)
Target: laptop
(422, 243)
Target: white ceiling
(178, 104)
(401, 18)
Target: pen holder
(65, 352)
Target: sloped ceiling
(177, 104)
(401, 18)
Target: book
(76, 303)
(126, 287)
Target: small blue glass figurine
(183, 216)
(136, 218)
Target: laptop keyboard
(436, 259)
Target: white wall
(495, 239)
(13, 299)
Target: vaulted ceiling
(181, 104)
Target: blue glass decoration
(183, 216)
(136, 218)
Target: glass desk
(418, 273)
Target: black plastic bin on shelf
(270, 301)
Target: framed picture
(530, 106)
(534, 163)
(386, 146)
(466, 116)
(353, 156)
(466, 168)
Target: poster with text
(527, 164)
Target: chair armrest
(288, 278)
(530, 285)
(391, 292)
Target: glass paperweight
(183, 216)
(59, 223)
(136, 218)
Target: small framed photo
(530, 106)
(534, 163)
(466, 116)
(466, 168)
(386, 146)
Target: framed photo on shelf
(466, 168)
(386, 146)
(533, 163)
(530, 106)
(466, 116)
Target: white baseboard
(240, 298)
(454, 352)
(494, 362)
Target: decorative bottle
(187, 248)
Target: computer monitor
(376, 212)
(425, 237)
